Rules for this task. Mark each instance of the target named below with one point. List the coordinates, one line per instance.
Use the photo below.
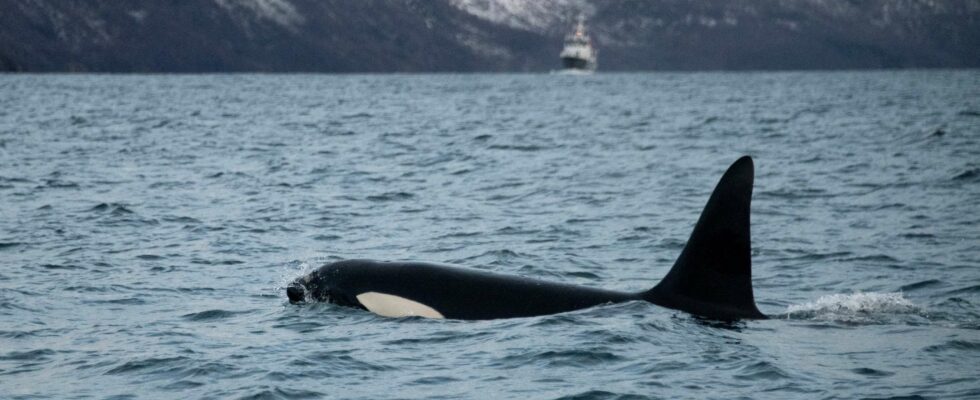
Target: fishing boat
(578, 55)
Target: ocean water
(150, 222)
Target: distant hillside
(482, 35)
(789, 34)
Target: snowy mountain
(482, 35)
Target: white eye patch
(387, 305)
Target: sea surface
(149, 223)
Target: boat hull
(576, 63)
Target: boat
(578, 55)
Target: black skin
(457, 293)
(712, 278)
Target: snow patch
(530, 15)
(280, 12)
(483, 47)
(138, 15)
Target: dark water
(148, 224)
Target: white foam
(292, 270)
(853, 307)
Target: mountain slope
(482, 35)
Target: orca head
(307, 288)
(296, 292)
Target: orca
(712, 277)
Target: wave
(9, 245)
(280, 393)
(391, 196)
(526, 148)
(559, 358)
(113, 208)
(30, 355)
(602, 395)
(152, 364)
(968, 175)
(211, 315)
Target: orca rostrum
(712, 277)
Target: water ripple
(150, 222)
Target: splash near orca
(711, 278)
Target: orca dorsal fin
(713, 275)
